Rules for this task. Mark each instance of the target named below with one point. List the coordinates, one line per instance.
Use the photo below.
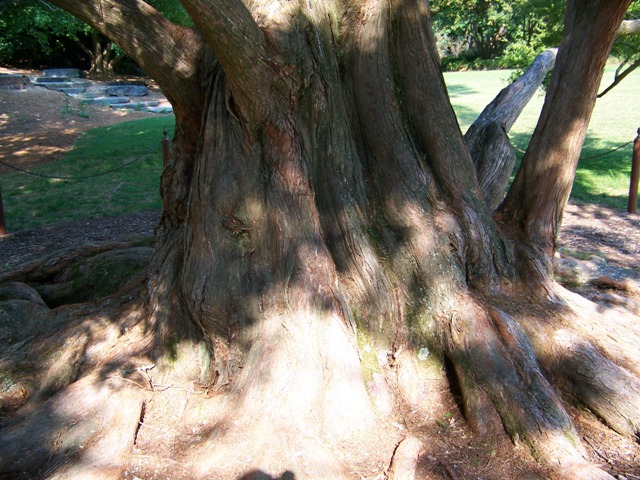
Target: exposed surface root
(85, 430)
(405, 459)
(91, 411)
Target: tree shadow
(260, 475)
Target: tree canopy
(35, 33)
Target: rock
(63, 84)
(51, 80)
(85, 95)
(127, 91)
(108, 100)
(71, 90)
(137, 105)
(14, 82)
(168, 109)
(62, 72)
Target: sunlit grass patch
(110, 171)
(604, 168)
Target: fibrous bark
(320, 192)
(487, 138)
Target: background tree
(478, 28)
(627, 46)
(534, 27)
(36, 33)
(320, 191)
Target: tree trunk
(542, 186)
(323, 223)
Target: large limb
(629, 27)
(535, 202)
(428, 112)
(169, 53)
(240, 46)
(487, 138)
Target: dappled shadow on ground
(37, 126)
(16, 247)
(595, 229)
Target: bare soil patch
(34, 130)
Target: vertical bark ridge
(338, 177)
(437, 135)
(408, 228)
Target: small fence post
(3, 230)
(635, 174)
(166, 148)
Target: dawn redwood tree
(320, 191)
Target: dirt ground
(37, 126)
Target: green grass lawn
(603, 175)
(130, 151)
(31, 201)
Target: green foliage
(514, 31)
(509, 34)
(32, 31)
(35, 33)
(173, 10)
(476, 27)
(518, 55)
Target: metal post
(635, 173)
(3, 230)
(166, 148)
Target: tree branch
(619, 77)
(169, 53)
(239, 45)
(629, 27)
(487, 138)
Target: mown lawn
(603, 172)
(111, 171)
